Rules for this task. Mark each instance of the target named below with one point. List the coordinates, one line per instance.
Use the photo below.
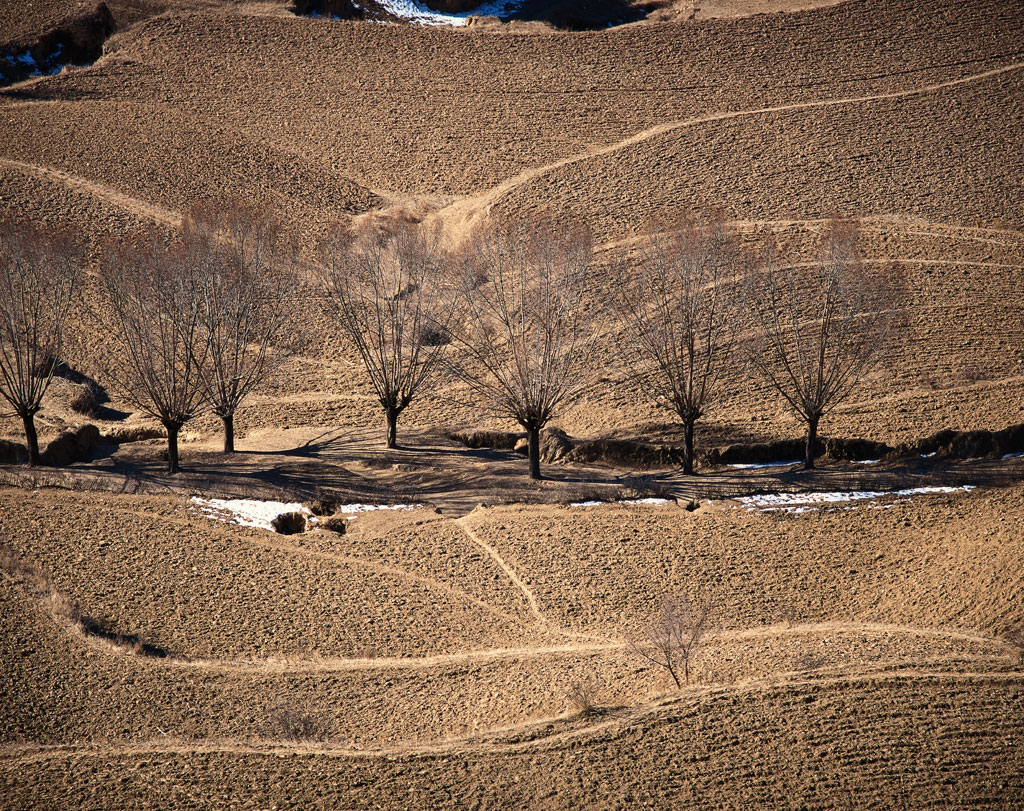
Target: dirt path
(468, 209)
(495, 740)
(965, 233)
(509, 572)
(132, 205)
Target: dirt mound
(967, 444)
(555, 445)
(570, 15)
(71, 446)
(627, 453)
(12, 453)
(500, 440)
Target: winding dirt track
(470, 208)
(508, 570)
(493, 741)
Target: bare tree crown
(39, 273)
(678, 310)
(156, 324)
(390, 293)
(530, 329)
(248, 301)
(819, 327)
(672, 637)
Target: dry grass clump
(582, 696)
(84, 399)
(292, 724)
(336, 524)
(322, 505)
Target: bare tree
(530, 329)
(678, 308)
(156, 324)
(673, 636)
(39, 273)
(247, 302)
(387, 292)
(818, 328)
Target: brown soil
(424, 640)
(858, 656)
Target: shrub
(582, 696)
(289, 523)
(336, 523)
(673, 636)
(292, 724)
(323, 506)
(85, 400)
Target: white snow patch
(415, 12)
(757, 466)
(1012, 455)
(866, 461)
(247, 512)
(260, 514)
(351, 510)
(623, 501)
(928, 455)
(804, 502)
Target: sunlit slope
(854, 652)
(906, 113)
(946, 153)
(446, 112)
(913, 742)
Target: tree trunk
(392, 419)
(533, 438)
(172, 446)
(688, 449)
(812, 442)
(31, 438)
(229, 432)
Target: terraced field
(154, 658)
(855, 652)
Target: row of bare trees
(519, 307)
(508, 314)
(199, 318)
(697, 305)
